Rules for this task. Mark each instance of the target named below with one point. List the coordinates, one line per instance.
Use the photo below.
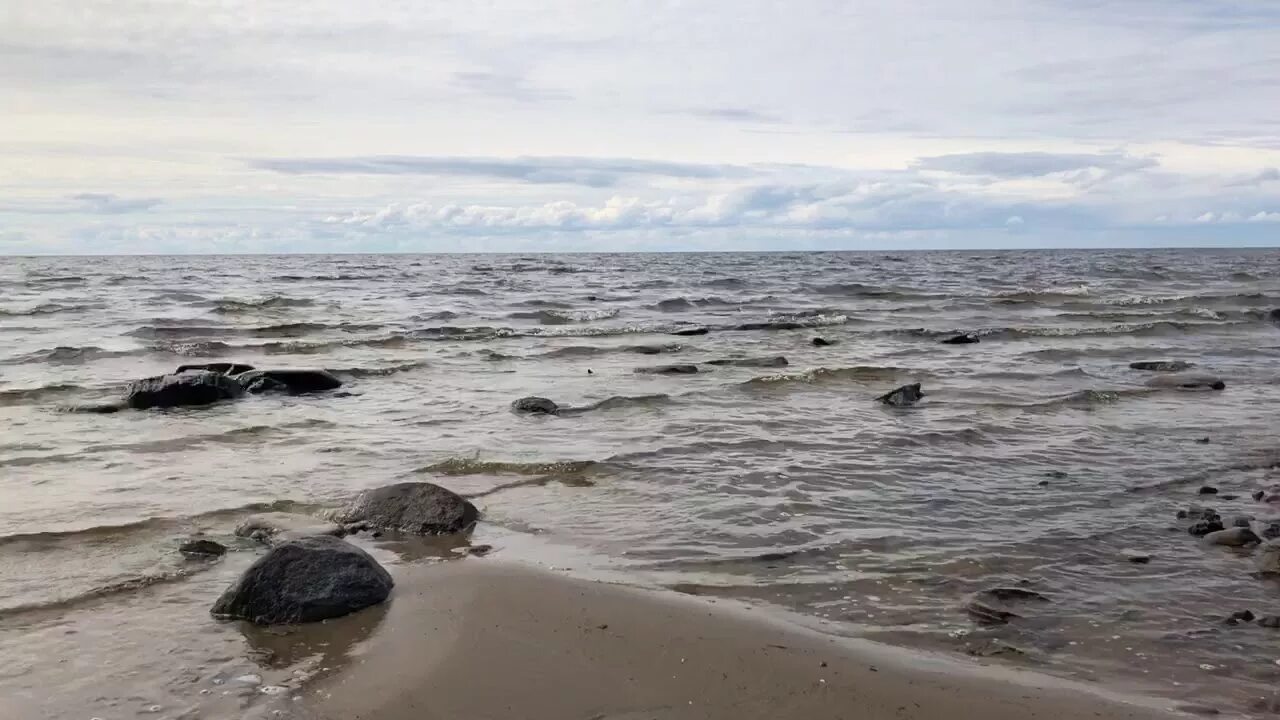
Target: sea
(1040, 473)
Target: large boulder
(903, 396)
(536, 406)
(306, 580)
(295, 382)
(182, 390)
(420, 508)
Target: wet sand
(483, 639)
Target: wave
(358, 372)
(231, 306)
(324, 278)
(681, 304)
(162, 331)
(619, 401)
(868, 291)
(440, 315)
(312, 348)
(539, 303)
(794, 321)
(209, 348)
(729, 282)
(49, 309)
(564, 317)
(55, 280)
(589, 350)
(66, 355)
(859, 373)
(457, 466)
(176, 296)
(30, 396)
(1084, 399)
(1014, 297)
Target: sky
(264, 126)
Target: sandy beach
(484, 639)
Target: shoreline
(489, 639)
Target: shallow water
(1037, 458)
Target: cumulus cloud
(1031, 164)
(591, 172)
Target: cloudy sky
(153, 126)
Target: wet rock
(1202, 441)
(1270, 531)
(1057, 475)
(279, 527)
(1207, 490)
(1267, 559)
(1014, 594)
(689, 332)
(296, 382)
(186, 389)
(536, 406)
(476, 550)
(1195, 512)
(996, 648)
(1258, 495)
(770, 325)
(991, 606)
(263, 385)
(822, 342)
(223, 368)
(1188, 381)
(988, 614)
(1269, 621)
(962, 339)
(668, 370)
(1242, 521)
(419, 508)
(1232, 537)
(764, 362)
(1138, 558)
(1239, 616)
(1202, 528)
(97, 408)
(306, 580)
(201, 548)
(903, 396)
(1161, 365)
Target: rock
(1232, 537)
(1138, 558)
(770, 325)
(1267, 559)
(963, 339)
(200, 548)
(97, 408)
(536, 405)
(989, 607)
(986, 614)
(822, 342)
(1269, 621)
(420, 508)
(306, 580)
(1258, 495)
(1057, 474)
(1207, 490)
(1161, 365)
(688, 332)
(903, 396)
(297, 382)
(182, 390)
(1012, 594)
(668, 370)
(262, 385)
(1205, 527)
(1271, 531)
(223, 368)
(280, 527)
(1196, 512)
(1238, 617)
(1243, 521)
(1187, 381)
(764, 362)
(1202, 441)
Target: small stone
(1205, 527)
(1208, 490)
(202, 549)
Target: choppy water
(1037, 457)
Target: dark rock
(1204, 527)
(1207, 490)
(1238, 617)
(963, 339)
(297, 382)
(770, 325)
(989, 607)
(1196, 512)
(1269, 621)
(223, 368)
(1243, 521)
(1232, 537)
(98, 408)
(536, 405)
(764, 362)
(305, 580)
(182, 390)
(986, 614)
(1057, 474)
(200, 548)
(903, 396)
(1271, 531)
(1139, 558)
(1228, 496)
(477, 550)
(688, 332)
(263, 385)
(1161, 365)
(822, 342)
(1202, 441)
(1258, 495)
(668, 370)
(1187, 381)
(420, 508)
(1014, 594)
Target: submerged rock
(1232, 537)
(822, 342)
(962, 339)
(536, 406)
(306, 580)
(223, 368)
(668, 370)
(295, 382)
(278, 527)
(1269, 621)
(200, 548)
(1188, 381)
(764, 362)
(1207, 490)
(182, 390)
(689, 332)
(1238, 617)
(420, 508)
(1160, 365)
(903, 396)
(990, 606)
(1202, 528)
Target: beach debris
(962, 339)
(1232, 537)
(903, 396)
(535, 406)
(305, 580)
(420, 508)
(668, 370)
(822, 342)
(1161, 365)
(200, 548)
